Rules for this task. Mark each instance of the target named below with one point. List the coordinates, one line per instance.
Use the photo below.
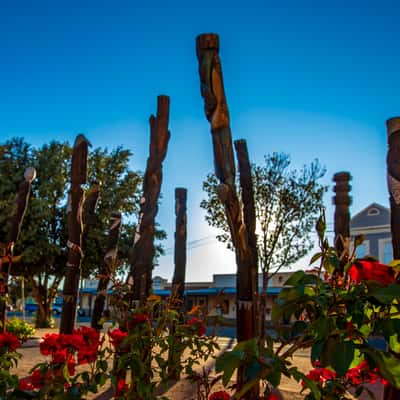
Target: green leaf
(228, 362)
(342, 356)
(386, 295)
(315, 257)
(295, 278)
(388, 365)
(299, 327)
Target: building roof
(374, 216)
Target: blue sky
(313, 79)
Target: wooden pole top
(393, 125)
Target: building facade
(374, 223)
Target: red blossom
(137, 319)
(26, 384)
(37, 379)
(8, 342)
(121, 388)
(50, 344)
(221, 395)
(197, 326)
(117, 336)
(366, 270)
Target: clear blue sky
(314, 79)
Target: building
(374, 223)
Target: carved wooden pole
(142, 256)
(393, 180)
(75, 229)
(107, 268)
(91, 200)
(216, 110)
(342, 202)
(178, 281)
(21, 203)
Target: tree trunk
(393, 179)
(21, 203)
(342, 201)
(44, 300)
(142, 257)
(75, 228)
(178, 281)
(216, 110)
(107, 269)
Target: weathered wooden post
(178, 281)
(91, 200)
(143, 251)
(216, 110)
(107, 268)
(21, 203)
(342, 202)
(75, 229)
(393, 181)
(249, 217)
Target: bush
(21, 329)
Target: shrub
(21, 329)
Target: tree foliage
(287, 203)
(44, 233)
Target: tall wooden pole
(143, 252)
(342, 202)
(178, 280)
(21, 204)
(216, 110)
(393, 181)
(75, 229)
(107, 268)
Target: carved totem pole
(143, 251)
(342, 202)
(75, 229)
(393, 181)
(6, 256)
(216, 110)
(107, 269)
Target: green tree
(287, 203)
(44, 233)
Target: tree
(44, 234)
(287, 205)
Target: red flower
(371, 271)
(117, 336)
(87, 351)
(221, 395)
(137, 319)
(197, 326)
(8, 342)
(50, 344)
(122, 387)
(26, 384)
(37, 379)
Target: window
(363, 249)
(373, 211)
(385, 250)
